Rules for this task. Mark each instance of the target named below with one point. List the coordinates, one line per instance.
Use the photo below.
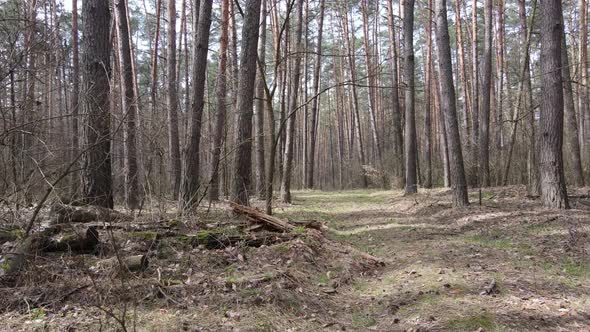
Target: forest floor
(505, 265)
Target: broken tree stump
(256, 216)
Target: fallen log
(61, 213)
(74, 241)
(256, 216)
(13, 262)
(9, 234)
(135, 263)
(214, 240)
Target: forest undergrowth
(381, 261)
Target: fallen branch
(256, 216)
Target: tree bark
(486, 87)
(475, 99)
(410, 133)
(553, 189)
(427, 99)
(221, 103)
(532, 154)
(173, 137)
(290, 140)
(447, 103)
(570, 115)
(259, 110)
(247, 79)
(398, 142)
(191, 184)
(309, 178)
(98, 182)
(129, 103)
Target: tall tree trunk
(532, 155)
(398, 143)
(98, 182)
(76, 180)
(583, 108)
(410, 134)
(553, 189)
(246, 86)
(427, 99)
(221, 103)
(486, 87)
(259, 110)
(570, 115)
(290, 140)
(191, 184)
(447, 103)
(475, 99)
(465, 95)
(129, 103)
(355, 113)
(309, 178)
(372, 79)
(173, 137)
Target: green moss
(143, 236)
(472, 323)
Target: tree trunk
(75, 96)
(290, 140)
(584, 109)
(410, 133)
(398, 143)
(532, 153)
(247, 78)
(475, 99)
(553, 189)
(259, 110)
(427, 99)
(221, 103)
(173, 138)
(486, 87)
(191, 184)
(309, 178)
(570, 114)
(97, 70)
(447, 103)
(130, 102)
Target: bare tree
(553, 189)
(448, 105)
(221, 92)
(190, 185)
(289, 144)
(98, 181)
(259, 110)
(172, 95)
(129, 103)
(486, 93)
(246, 86)
(398, 144)
(411, 147)
(309, 179)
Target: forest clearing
(294, 165)
(506, 265)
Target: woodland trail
(507, 265)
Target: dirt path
(442, 263)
